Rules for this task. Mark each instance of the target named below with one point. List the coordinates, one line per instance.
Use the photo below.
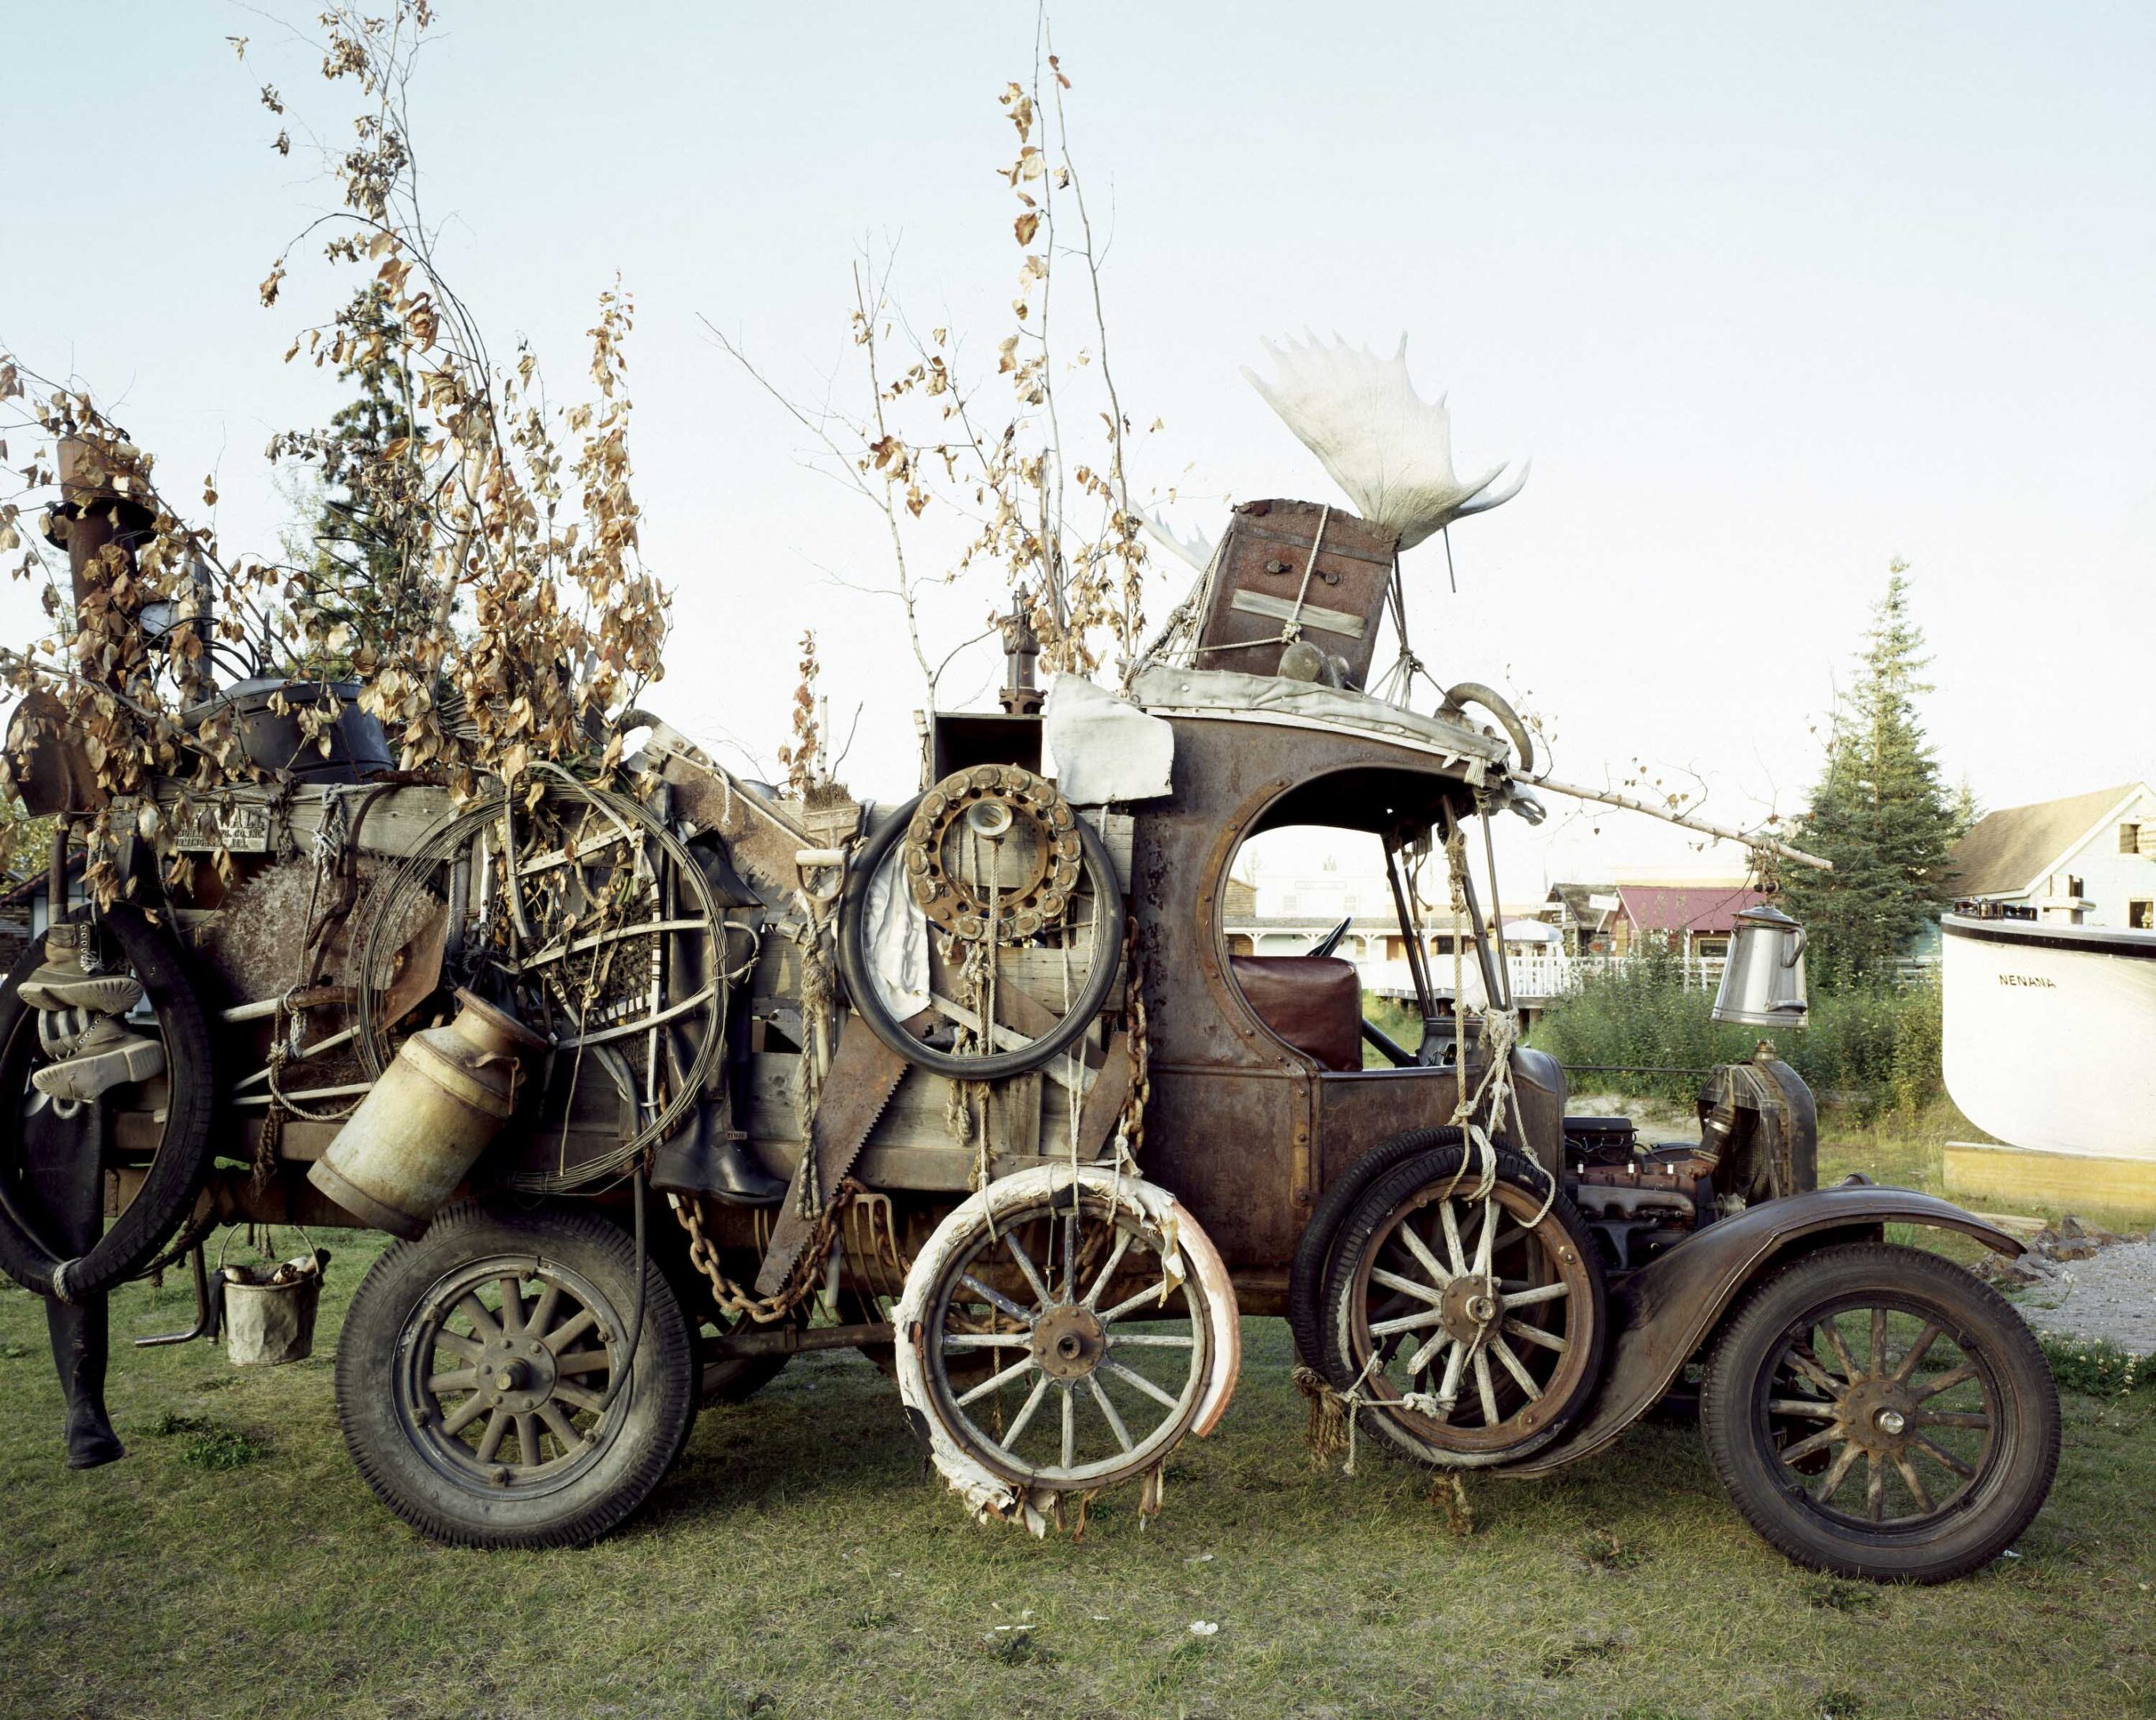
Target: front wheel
(1875, 1411)
(475, 1371)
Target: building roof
(2005, 852)
(1695, 908)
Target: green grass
(799, 1564)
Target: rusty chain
(731, 1299)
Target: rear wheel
(476, 1377)
(1875, 1411)
(1313, 1250)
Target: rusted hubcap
(1472, 1306)
(1069, 1341)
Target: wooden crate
(1259, 593)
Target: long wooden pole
(1752, 840)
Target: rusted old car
(665, 1079)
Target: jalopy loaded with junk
(643, 1069)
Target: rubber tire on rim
(868, 1001)
(1313, 1249)
(1387, 1193)
(182, 1160)
(2028, 1402)
(651, 1428)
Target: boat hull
(2051, 1034)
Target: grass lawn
(799, 1563)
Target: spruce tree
(1880, 812)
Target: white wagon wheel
(1061, 1332)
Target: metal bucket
(422, 1126)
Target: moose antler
(1389, 449)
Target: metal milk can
(424, 1123)
(1763, 984)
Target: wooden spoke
(567, 1439)
(1108, 1413)
(1915, 1483)
(1485, 1390)
(582, 1362)
(512, 1306)
(1108, 1271)
(1917, 1351)
(1517, 1234)
(463, 1379)
(1834, 1343)
(1141, 1382)
(570, 1330)
(489, 1442)
(1876, 1362)
(1515, 1367)
(527, 1439)
(1154, 1340)
(1421, 1359)
(1946, 1382)
(458, 1418)
(542, 1312)
(1819, 1376)
(1407, 1322)
(1818, 1441)
(1486, 1234)
(1420, 1249)
(1939, 1454)
(994, 1380)
(1802, 1406)
(995, 1298)
(1152, 1294)
(577, 1396)
(1406, 1286)
(986, 1340)
(1540, 1293)
(1833, 1478)
(1070, 1249)
(1452, 1236)
(484, 1325)
(1534, 1334)
(1069, 1428)
(1025, 1265)
(1020, 1421)
(457, 1344)
(1874, 1487)
(1948, 1418)
(1456, 1364)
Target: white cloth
(1103, 748)
(898, 941)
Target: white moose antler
(1386, 446)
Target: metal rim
(1467, 1332)
(1059, 1268)
(1877, 1413)
(470, 1383)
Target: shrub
(2097, 1367)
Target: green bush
(2097, 1367)
(1872, 1047)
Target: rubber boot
(62, 1159)
(698, 1158)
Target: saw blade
(864, 1072)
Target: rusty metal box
(1268, 588)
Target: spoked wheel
(1059, 1348)
(1026, 922)
(1472, 1321)
(474, 1372)
(1875, 1411)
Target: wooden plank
(917, 1119)
(1015, 1115)
(1310, 615)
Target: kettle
(1763, 984)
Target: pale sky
(1769, 296)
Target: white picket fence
(1535, 980)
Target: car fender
(1662, 1313)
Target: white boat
(2051, 1034)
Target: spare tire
(181, 1161)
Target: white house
(2087, 860)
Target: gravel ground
(2111, 1295)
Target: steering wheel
(1326, 945)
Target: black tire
(1563, 1241)
(2010, 1445)
(1313, 1249)
(182, 1160)
(399, 1427)
(1100, 870)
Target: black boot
(63, 1157)
(702, 1158)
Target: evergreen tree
(368, 572)
(1880, 812)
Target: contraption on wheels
(645, 1069)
